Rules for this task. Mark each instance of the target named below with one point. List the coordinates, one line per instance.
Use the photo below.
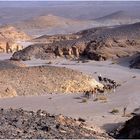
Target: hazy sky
(69, 0)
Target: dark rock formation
(96, 44)
(131, 129)
(21, 124)
(136, 63)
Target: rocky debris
(136, 63)
(96, 44)
(131, 129)
(43, 80)
(8, 64)
(21, 124)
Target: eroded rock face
(43, 80)
(21, 124)
(9, 47)
(96, 44)
(11, 33)
(9, 36)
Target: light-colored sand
(127, 95)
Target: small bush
(84, 101)
(114, 111)
(100, 98)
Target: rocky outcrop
(131, 129)
(95, 44)
(43, 80)
(9, 46)
(12, 33)
(8, 38)
(22, 124)
(136, 62)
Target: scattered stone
(81, 120)
(22, 124)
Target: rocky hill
(8, 37)
(131, 129)
(12, 33)
(19, 123)
(95, 44)
(43, 80)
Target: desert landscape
(69, 70)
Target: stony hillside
(96, 44)
(43, 80)
(131, 129)
(21, 124)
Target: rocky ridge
(95, 44)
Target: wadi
(69, 70)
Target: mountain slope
(96, 44)
(119, 17)
(49, 21)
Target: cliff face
(96, 44)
